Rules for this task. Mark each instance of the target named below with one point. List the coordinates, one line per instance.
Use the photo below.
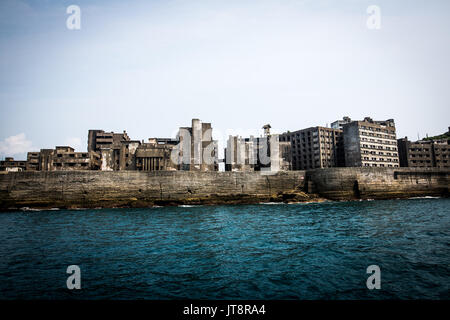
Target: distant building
(315, 147)
(62, 158)
(258, 153)
(9, 164)
(369, 143)
(155, 155)
(424, 153)
(241, 154)
(109, 146)
(33, 161)
(119, 152)
(197, 151)
(339, 124)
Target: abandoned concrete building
(365, 143)
(197, 151)
(258, 153)
(315, 147)
(11, 165)
(241, 153)
(109, 151)
(62, 158)
(119, 152)
(370, 143)
(339, 124)
(155, 155)
(424, 153)
(109, 145)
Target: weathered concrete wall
(378, 183)
(89, 189)
(139, 189)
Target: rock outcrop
(90, 189)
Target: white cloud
(15, 145)
(74, 142)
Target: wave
(425, 197)
(189, 205)
(37, 210)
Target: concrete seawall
(88, 189)
(377, 183)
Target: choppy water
(296, 251)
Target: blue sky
(148, 67)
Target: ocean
(265, 251)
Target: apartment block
(339, 124)
(315, 147)
(155, 155)
(258, 153)
(197, 151)
(11, 165)
(62, 158)
(109, 146)
(370, 143)
(424, 153)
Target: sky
(149, 67)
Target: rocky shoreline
(122, 189)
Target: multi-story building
(155, 155)
(257, 154)
(9, 164)
(339, 124)
(62, 158)
(424, 153)
(197, 151)
(441, 153)
(315, 147)
(241, 154)
(33, 161)
(370, 143)
(109, 145)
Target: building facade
(155, 155)
(62, 158)
(369, 143)
(11, 165)
(267, 153)
(339, 124)
(197, 151)
(424, 153)
(109, 145)
(315, 147)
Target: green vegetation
(439, 137)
